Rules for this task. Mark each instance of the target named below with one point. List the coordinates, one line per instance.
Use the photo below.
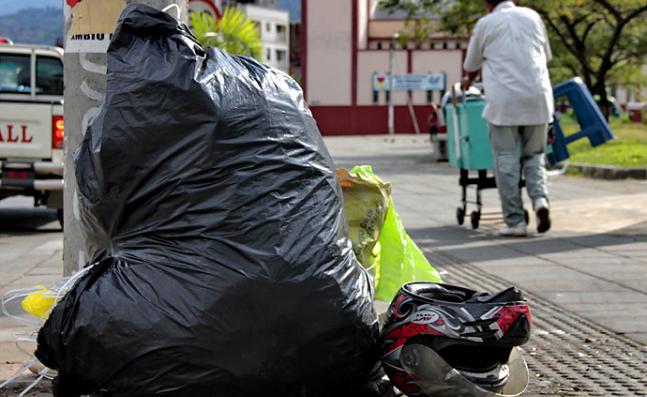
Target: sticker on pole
(210, 7)
(89, 24)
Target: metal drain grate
(567, 354)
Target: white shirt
(511, 45)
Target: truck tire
(59, 215)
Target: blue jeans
(507, 143)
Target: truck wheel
(59, 215)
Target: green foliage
(460, 19)
(629, 149)
(416, 31)
(233, 33)
(600, 40)
(412, 7)
(621, 153)
(603, 41)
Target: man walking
(511, 45)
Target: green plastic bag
(401, 261)
(380, 242)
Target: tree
(602, 41)
(233, 33)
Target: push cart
(469, 144)
(470, 151)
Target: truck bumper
(35, 175)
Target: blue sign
(409, 82)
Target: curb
(609, 171)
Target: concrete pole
(85, 87)
(389, 97)
(389, 94)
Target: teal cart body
(469, 147)
(469, 144)
(469, 150)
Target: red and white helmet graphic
(435, 330)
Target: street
(586, 279)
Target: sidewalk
(31, 253)
(586, 279)
(593, 261)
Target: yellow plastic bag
(39, 303)
(366, 203)
(380, 242)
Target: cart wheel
(475, 218)
(527, 217)
(460, 215)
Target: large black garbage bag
(211, 206)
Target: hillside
(13, 6)
(39, 25)
(33, 25)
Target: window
(282, 33)
(268, 27)
(280, 56)
(15, 74)
(49, 76)
(268, 54)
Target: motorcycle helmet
(442, 340)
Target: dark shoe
(543, 216)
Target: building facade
(343, 43)
(274, 26)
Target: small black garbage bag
(211, 206)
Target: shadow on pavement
(451, 238)
(28, 221)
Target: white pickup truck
(31, 123)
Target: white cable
(177, 8)
(14, 295)
(64, 289)
(60, 288)
(25, 339)
(41, 375)
(19, 372)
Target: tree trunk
(604, 103)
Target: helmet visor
(437, 378)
